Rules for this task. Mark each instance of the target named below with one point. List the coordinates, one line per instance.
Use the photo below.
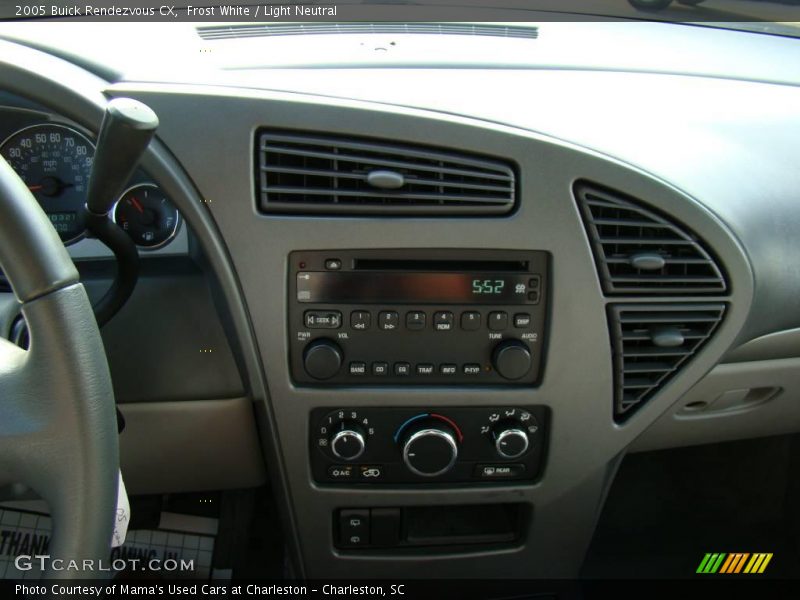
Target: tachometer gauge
(147, 215)
(55, 162)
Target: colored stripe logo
(733, 563)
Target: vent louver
(318, 174)
(222, 32)
(651, 343)
(638, 251)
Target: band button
(358, 368)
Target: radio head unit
(417, 316)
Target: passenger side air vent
(638, 251)
(319, 174)
(651, 343)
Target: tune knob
(430, 451)
(511, 443)
(512, 359)
(349, 442)
(322, 359)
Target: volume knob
(322, 359)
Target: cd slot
(502, 266)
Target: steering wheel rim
(58, 430)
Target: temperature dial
(147, 216)
(429, 443)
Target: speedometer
(55, 162)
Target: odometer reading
(55, 162)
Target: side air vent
(651, 343)
(639, 251)
(223, 32)
(319, 174)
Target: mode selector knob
(511, 443)
(430, 451)
(512, 359)
(322, 359)
(349, 442)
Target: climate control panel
(418, 445)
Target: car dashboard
(435, 304)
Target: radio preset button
(360, 320)
(358, 368)
(380, 368)
(448, 369)
(425, 369)
(402, 369)
(472, 369)
(443, 321)
(415, 320)
(470, 321)
(388, 320)
(522, 320)
(323, 319)
(498, 320)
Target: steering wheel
(58, 432)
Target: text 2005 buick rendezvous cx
(399, 301)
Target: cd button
(498, 321)
(522, 320)
(425, 369)
(415, 320)
(360, 320)
(402, 368)
(443, 321)
(470, 321)
(380, 368)
(388, 320)
(358, 368)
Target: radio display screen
(412, 288)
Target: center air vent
(641, 252)
(651, 343)
(320, 174)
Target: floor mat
(146, 553)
